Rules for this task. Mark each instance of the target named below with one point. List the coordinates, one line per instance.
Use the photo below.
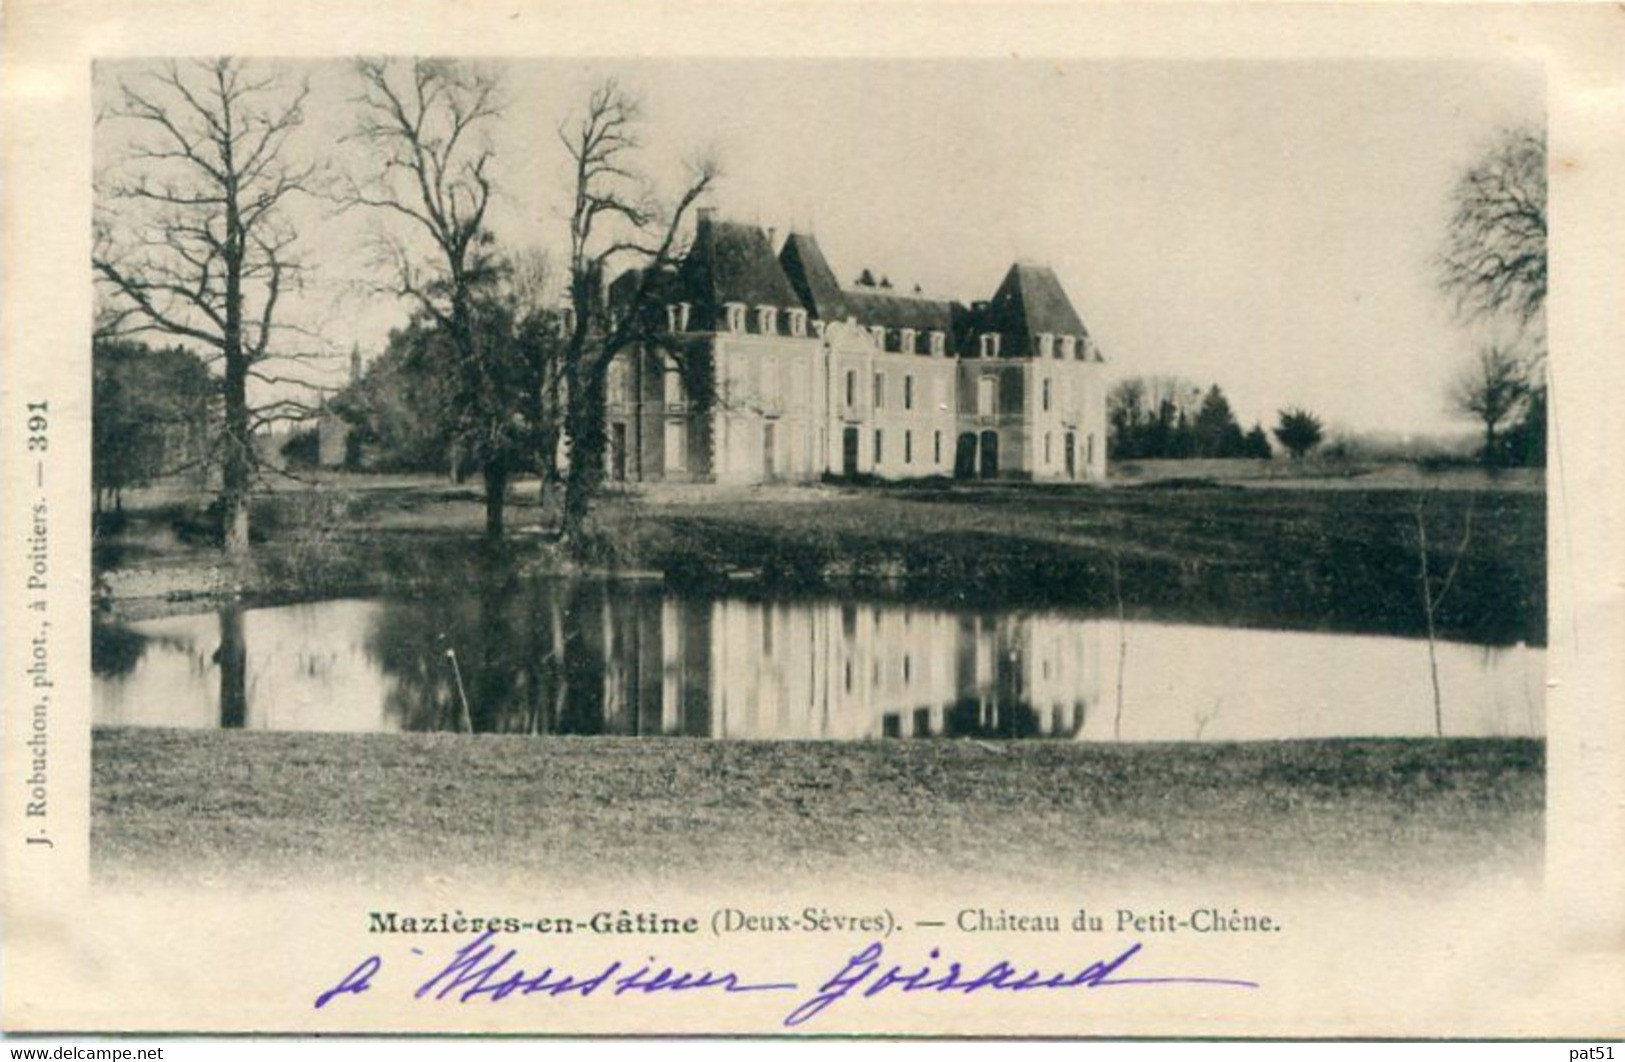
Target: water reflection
(533, 657)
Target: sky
(1266, 226)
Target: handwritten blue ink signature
(481, 971)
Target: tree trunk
(496, 490)
(238, 459)
(232, 657)
(586, 427)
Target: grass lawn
(271, 809)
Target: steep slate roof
(809, 273)
(733, 262)
(1031, 301)
(880, 306)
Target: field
(1301, 555)
(269, 809)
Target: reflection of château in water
(746, 669)
(578, 657)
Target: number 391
(36, 426)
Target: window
(798, 322)
(880, 448)
(880, 390)
(1046, 397)
(878, 333)
(1046, 344)
(671, 318)
(1047, 458)
(818, 329)
(987, 396)
(675, 456)
(939, 343)
(907, 341)
(616, 384)
(567, 320)
(908, 448)
(673, 387)
(851, 388)
(1069, 347)
(767, 320)
(1089, 453)
(770, 381)
(908, 391)
(990, 344)
(936, 447)
(736, 317)
(942, 394)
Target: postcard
(791, 519)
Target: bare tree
(192, 240)
(430, 171)
(1492, 388)
(614, 218)
(1494, 255)
(1433, 593)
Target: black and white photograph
(1059, 447)
(1020, 520)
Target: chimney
(772, 237)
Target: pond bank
(268, 809)
(1293, 557)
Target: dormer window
(939, 343)
(1069, 347)
(878, 334)
(798, 322)
(677, 317)
(990, 344)
(1046, 345)
(735, 316)
(767, 320)
(909, 345)
(818, 329)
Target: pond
(589, 658)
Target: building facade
(767, 369)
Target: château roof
(733, 262)
(809, 273)
(879, 306)
(1029, 303)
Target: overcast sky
(1265, 226)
